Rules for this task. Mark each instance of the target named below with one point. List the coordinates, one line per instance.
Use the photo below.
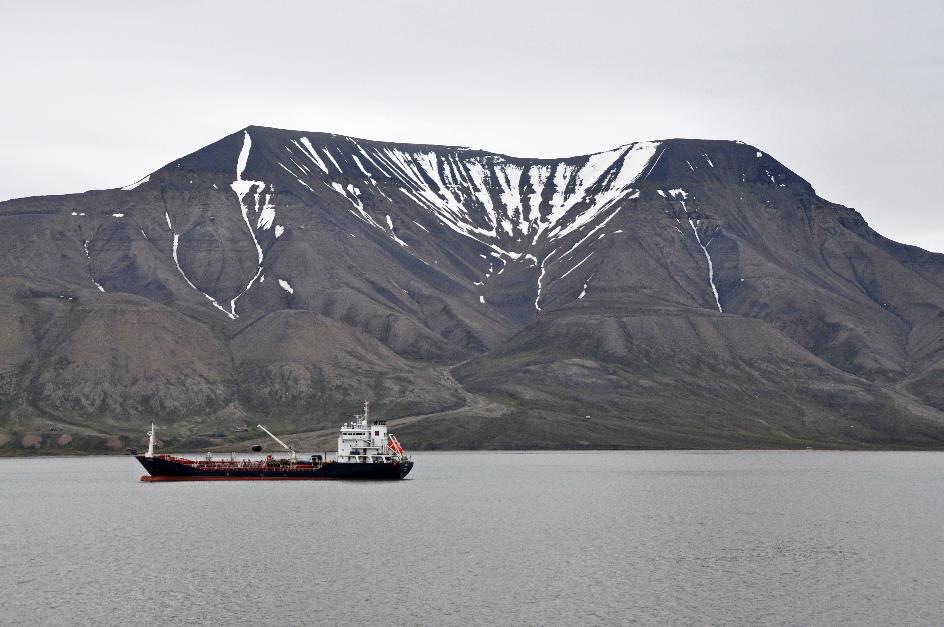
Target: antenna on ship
(150, 451)
(284, 445)
(366, 411)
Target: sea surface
(818, 538)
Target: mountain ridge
(666, 277)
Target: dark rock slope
(679, 293)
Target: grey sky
(849, 95)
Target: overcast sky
(850, 95)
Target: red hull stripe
(149, 478)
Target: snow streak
(537, 299)
(681, 196)
(88, 259)
(176, 243)
(265, 211)
(711, 269)
(128, 188)
(583, 292)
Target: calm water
(485, 538)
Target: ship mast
(284, 445)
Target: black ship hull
(164, 468)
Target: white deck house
(361, 441)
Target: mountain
(677, 293)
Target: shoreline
(47, 455)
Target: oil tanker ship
(365, 451)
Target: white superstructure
(150, 452)
(364, 442)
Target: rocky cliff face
(672, 293)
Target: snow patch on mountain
(175, 244)
(513, 207)
(508, 205)
(537, 299)
(88, 259)
(243, 188)
(267, 214)
(309, 151)
(353, 195)
(331, 158)
(579, 263)
(711, 268)
(496, 201)
(583, 292)
(136, 184)
(393, 233)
